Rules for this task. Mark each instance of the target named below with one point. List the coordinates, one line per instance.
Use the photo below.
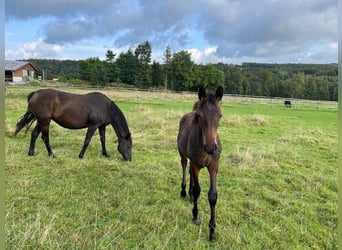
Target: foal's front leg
(102, 132)
(212, 198)
(195, 190)
(90, 132)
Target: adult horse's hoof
(183, 193)
(105, 154)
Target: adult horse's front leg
(184, 162)
(102, 132)
(195, 190)
(90, 132)
(34, 135)
(212, 198)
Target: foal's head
(208, 114)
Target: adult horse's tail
(27, 119)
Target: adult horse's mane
(119, 120)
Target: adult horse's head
(125, 147)
(208, 113)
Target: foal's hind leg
(184, 162)
(102, 132)
(34, 135)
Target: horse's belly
(71, 124)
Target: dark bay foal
(198, 141)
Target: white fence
(154, 94)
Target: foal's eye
(198, 116)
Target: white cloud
(36, 49)
(266, 30)
(205, 56)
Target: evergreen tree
(143, 70)
(168, 67)
(110, 56)
(157, 75)
(127, 64)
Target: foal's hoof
(212, 237)
(196, 222)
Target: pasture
(277, 181)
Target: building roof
(16, 65)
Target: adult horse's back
(74, 111)
(198, 141)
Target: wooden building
(18, 71)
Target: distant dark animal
(199, 141)
(73, 111)
(287, 103)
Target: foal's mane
(210, 98)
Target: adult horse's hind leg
(34, 135)
(45, 137)
(102, 132)
(184, 162)
(90, 132)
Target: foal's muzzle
(210, 150)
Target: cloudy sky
(229, 31)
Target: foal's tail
(26, 120)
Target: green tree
(266, 79)
(127, 64)
(143, 54)
(157, 75)
(310, 88)
(94, 71)
(323, 89)
(234, 80)
(110, 56)
(210, 76)
(182, 70)
(167, 56)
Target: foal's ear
(219, 93)
(202, 93)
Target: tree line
(178, 72)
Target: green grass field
(277, 181)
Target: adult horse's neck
(118, 122)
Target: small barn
(18, 71)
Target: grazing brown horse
(73, 111)
(199, 141)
